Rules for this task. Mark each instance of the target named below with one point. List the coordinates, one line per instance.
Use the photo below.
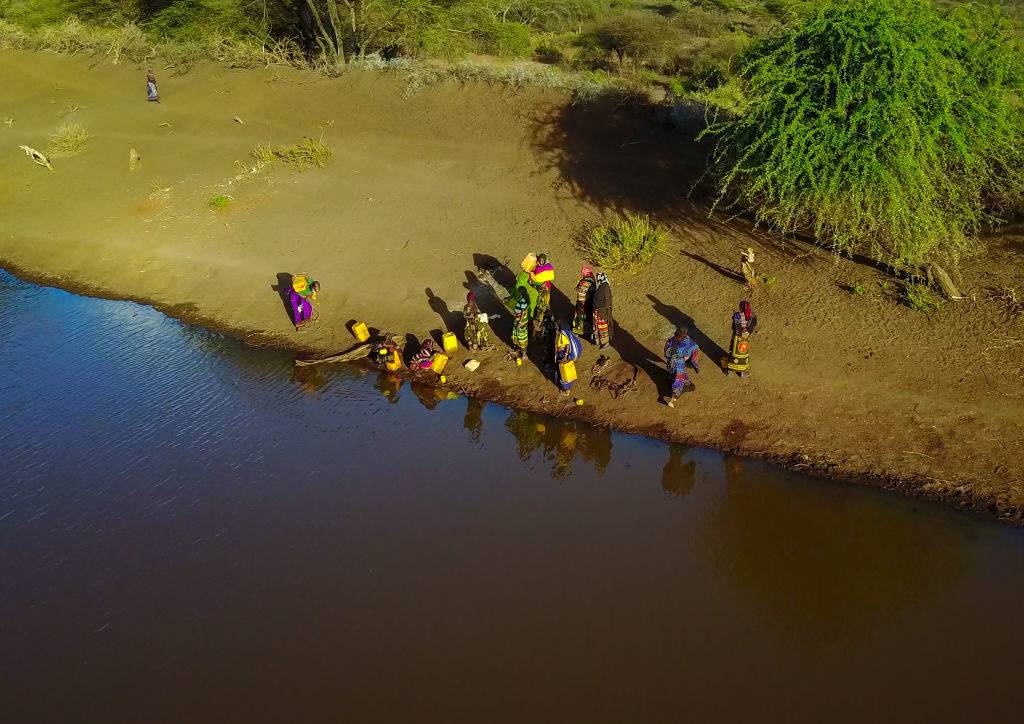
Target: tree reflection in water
(818, 559)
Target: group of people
(532, 316)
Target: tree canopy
(885, 126)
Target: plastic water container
(440, 360)
(450, 342)
(529, 262)
(567, 371)
(360, 331)
(394, 362)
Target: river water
(193, 530)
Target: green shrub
(630, 242)
(68, 140)
(641, 38)
(883, 125)
(859, 289)
(220, 201)
(920, 298)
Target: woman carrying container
(567, 350)
(744, 322)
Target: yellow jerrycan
(360, 331)
(450, 343)
(440, 360)
(567, 371)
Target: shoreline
(822, 468)
(424, 192)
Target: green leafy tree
(880, 125)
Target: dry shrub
(68, 140)
(307, 153)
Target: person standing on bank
(680, 350)
(604, 322)
(744, 323)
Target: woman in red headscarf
(744, 322)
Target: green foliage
(626, 244)
(920, 298)
(859, 289)
(641, 38)
(220, 201)
(307, 153)
(68, 140)
(883, 125)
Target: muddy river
(192, 530)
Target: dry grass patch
(307, 153)
(68, 140)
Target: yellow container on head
(360, 331)
(529, 263)
(450, 342)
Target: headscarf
(745, 309)
(602, 278)
(586, 271)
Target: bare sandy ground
(424, 188)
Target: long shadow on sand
(712, 352)
(283, 289)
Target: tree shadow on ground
(712, 352)
(626, 157)
(283, 289)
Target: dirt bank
(424, 189)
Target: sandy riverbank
(424, 189)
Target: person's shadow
(634, 352)
(487, 298)
(712, 352)
(283, 289)
(453, 321)
(499, 319)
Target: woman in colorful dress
(744, 322)
(541, 278)
(581, 322)
(604, 322)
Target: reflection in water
(677, 477)
(389, 386)
(312, 380)
(474, 419)
(431, 395)
(175, 507)
(561, 441)
(823, 561)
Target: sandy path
(419, 185)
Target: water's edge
(916, 486)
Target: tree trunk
(945, 283)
